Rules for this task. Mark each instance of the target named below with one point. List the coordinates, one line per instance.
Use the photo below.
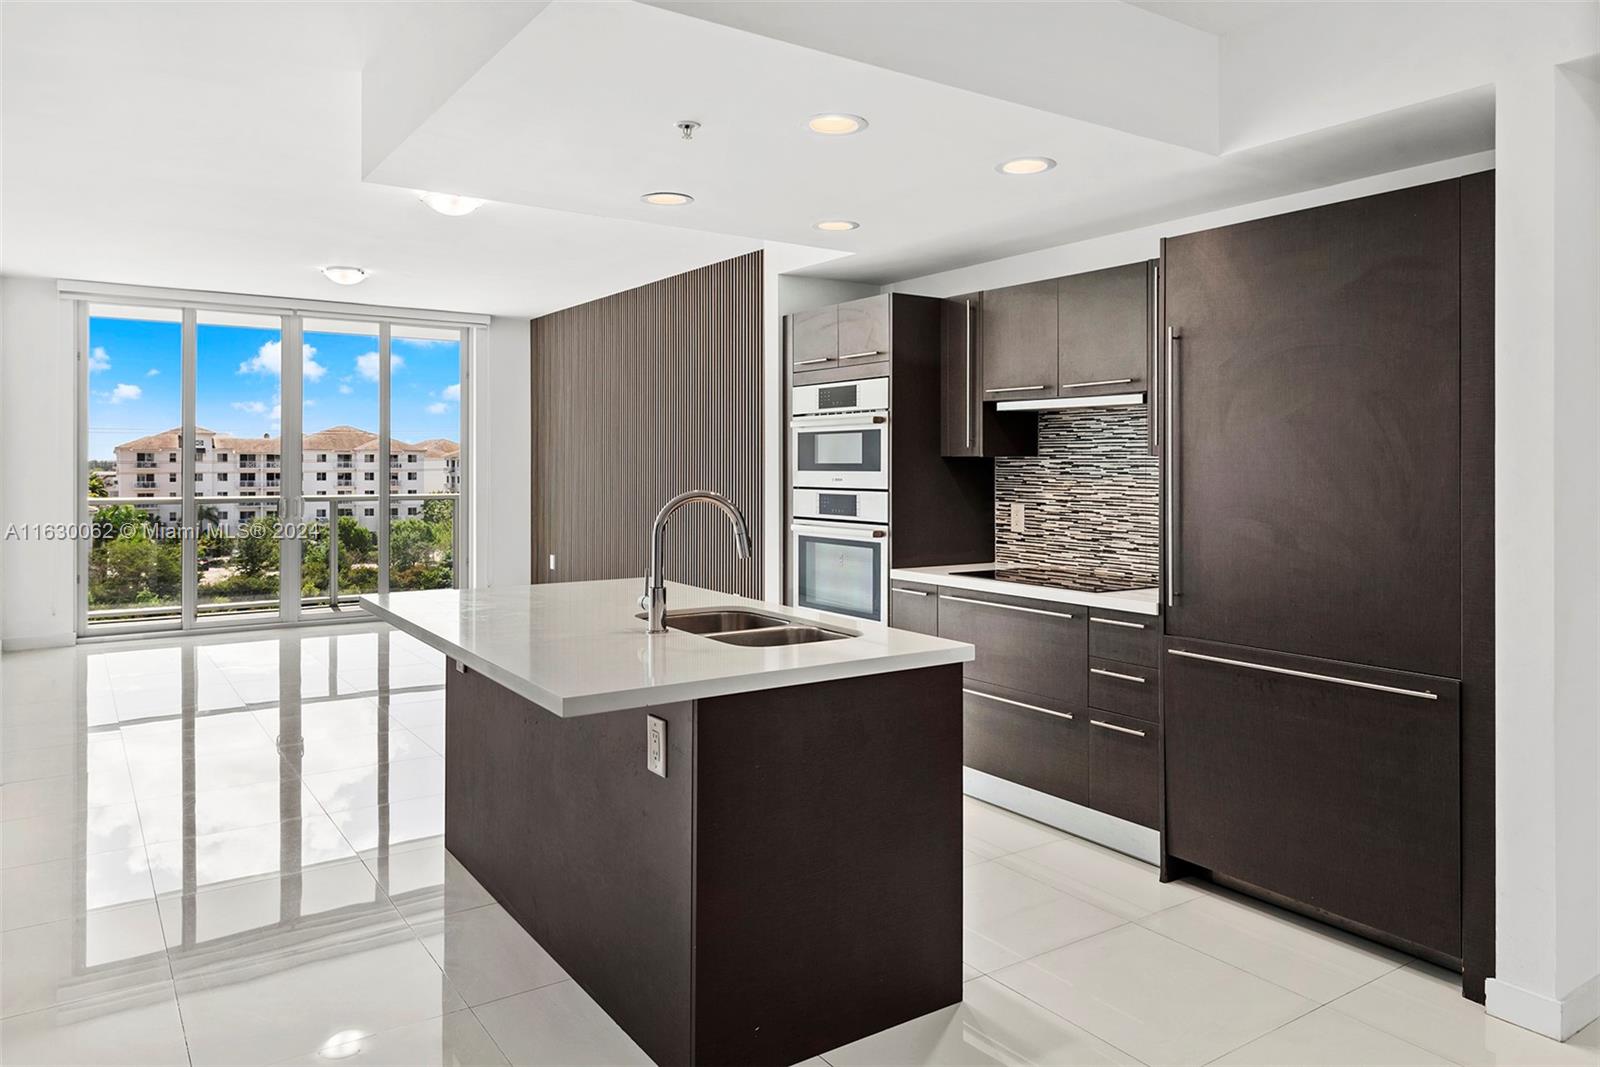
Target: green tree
(255, 550)
(356, 542)
(439, 512)
(411, 544)
(119, 520)
(97, 485)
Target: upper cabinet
(1018, 337)
(968, 426)
(814, 339)
(1105, 331)
(863, 331)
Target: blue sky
(135, 382)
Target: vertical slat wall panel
(637, 397)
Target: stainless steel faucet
(654, 600)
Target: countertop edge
(1147, 601)
(653, 696)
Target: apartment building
(241, 477)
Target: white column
(1547, 757)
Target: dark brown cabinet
(914, 607)
(1125, 688)
(1018, 332)
(1125, 767)
(814, 339)
(863, 337)
(1333, 784)
(1105, 331)
(967, 426)
(1023, 647)
(1317, 453)
(1125, 637)
(1026, 741)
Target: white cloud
(368, 365)
(346, 390)
(438, 408)
(254, 407)
(153, 372)
(269, 360)
(124, 391)
(452, 392)
(99, 361)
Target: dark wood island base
(792, 884)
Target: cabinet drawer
(1024, 647)
(1125, 637)
(1125, 767)
(1333, 784)
(1043, 748)
(1125, 688)
(914, 607)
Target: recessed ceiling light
(343, 1045)
(450, 203)
(837, 225)
(1026, 165)
(836, 125)
(666, 199)
(344, 275)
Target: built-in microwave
(842, 505)
(841, 568)
(832, 398)
(848, 451)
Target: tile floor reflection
(229, 850)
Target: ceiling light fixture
(837, 225)
(836, 125)
(344, 275)
(450, 203)
(666, 199)
(1026, 165)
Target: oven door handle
(845, 531)
(866, 420)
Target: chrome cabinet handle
(1420, 694)
(1116, 622)
(1113, 726)
(1086, 385)
(967, 393)
(1008, 607)
(912, 592)
(1114, 674)
(1018, 703)
(808, 362)
(861, 355)
(1174, 339)
(1017, 389)
(1154, 407)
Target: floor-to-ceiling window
(265, 464)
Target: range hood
(1058, 403)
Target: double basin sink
(736, 626)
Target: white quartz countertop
(1138, 601)
(579, 648)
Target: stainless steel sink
(755, 629)
(721, 621)
(788, 634)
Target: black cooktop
(1062, 578)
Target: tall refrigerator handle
(1173, 471)
(969, 399)
(1155, 441)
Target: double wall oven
(839, 481)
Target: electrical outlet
(1019, 518)
(655, 745)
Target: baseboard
(1140, 842)
(28, 644)
(1552, 1017)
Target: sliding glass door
(256, 465)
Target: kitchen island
(745, 851)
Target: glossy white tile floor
(228, 850)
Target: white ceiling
(226, 147)
(1223, 18)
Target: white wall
(38, 420)
(502, 487)
(799, 293)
